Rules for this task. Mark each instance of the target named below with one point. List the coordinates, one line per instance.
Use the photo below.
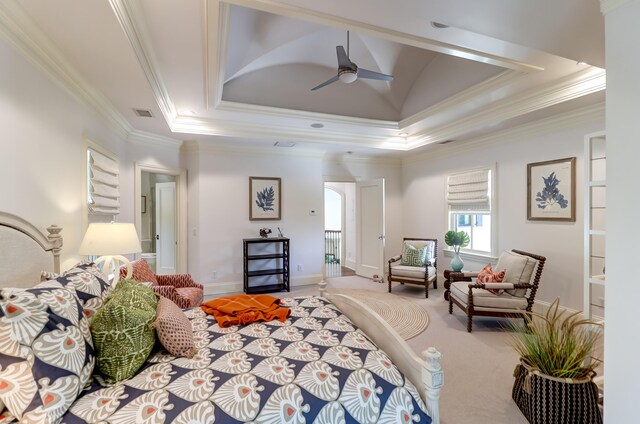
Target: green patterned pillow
(121, 330)
(412, 256)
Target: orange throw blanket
(245, 309)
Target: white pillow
(518, 269)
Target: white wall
(219, 209)
(221, 214)
(621, 341)
(425, 211)
(42, 158)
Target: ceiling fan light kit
(347, 76)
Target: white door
(370, 228)
(165, 228)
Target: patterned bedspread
(315, 368)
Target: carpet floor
(406, 317)
(478, 366)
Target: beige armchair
(517, 290)
(418, 263)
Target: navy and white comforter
(315, 368)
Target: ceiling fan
(348, 71)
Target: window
(469, 202)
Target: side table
(452, 276)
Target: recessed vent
(438, 25)
(284, 144)
(143, 113)
(446, 142)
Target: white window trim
(475, 254)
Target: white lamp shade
(109, 239)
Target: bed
(320, 366)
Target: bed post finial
(55, 239)
(433, 379)
(322, 287)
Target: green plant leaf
(557, 344)
(456, 238)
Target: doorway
(161, 218)
(340, 229)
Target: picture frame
(551, 190)
(143, 204)
(265, 199)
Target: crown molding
(20, 30)
(607, 6)
(127, 12)
(230, 128)
(197, 147)
(217, 33)
(363, 160)
(145, 138)
(382, 134)
(570, 87)
(228, 106)
(496, 82)
(542, 126)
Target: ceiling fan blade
(343, 59)
(327, 82)
(365, 73)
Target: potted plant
(554, 380)
(456, 239)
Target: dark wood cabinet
(266, 264)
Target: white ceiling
(239, 73)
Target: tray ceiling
(240, 72)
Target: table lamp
(110, 241)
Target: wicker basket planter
(548, 400)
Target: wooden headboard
(25, 251)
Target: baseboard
(540, 307)
(233, 287)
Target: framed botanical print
(265, 199)
(551, 190)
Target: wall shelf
(594, 224)
(266, 265)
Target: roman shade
(469, 191)
(104, 191)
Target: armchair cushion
(177, 280)
(413, 271)
(413, 256)
(484, 299)
(518, 270)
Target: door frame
(181, 208)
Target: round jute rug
(405, 316)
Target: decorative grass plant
(557, 344)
